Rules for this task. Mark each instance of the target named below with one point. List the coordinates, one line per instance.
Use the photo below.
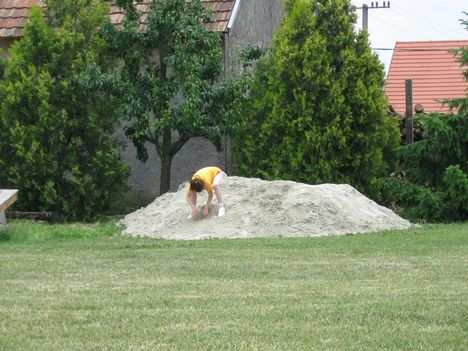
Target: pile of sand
(257, 208)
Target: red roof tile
(222, 10)
(434, 70)
(14, 14)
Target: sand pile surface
(258, 208)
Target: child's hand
(205, 211)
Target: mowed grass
(84, 287)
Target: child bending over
(209, 179)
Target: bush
(56, 142)
(444, 143)
(449, 202)
(436, 188)
(456, 193)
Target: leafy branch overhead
(171, 70)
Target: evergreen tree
(316, 111)
(56, 125)
(436, 184)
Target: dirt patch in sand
(258, 208)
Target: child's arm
(189, 198)
(208, 203)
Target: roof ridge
(432, 41)
(10, 28)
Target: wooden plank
(7, 198)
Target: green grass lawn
(80, 287)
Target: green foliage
(456, 193)
(445, 143)
(413, 201)
(56, 142)
(316, 111)
(171, 71)
(436, 167)
(449, 202)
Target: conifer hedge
(317, 111)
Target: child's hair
(196, 185)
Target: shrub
(56, 142)
(448, 202)
(437, 165)
(444, 143)
(456, 193)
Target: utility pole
(365, 11)
(409, 111)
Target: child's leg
(217, 189)
(219, 196)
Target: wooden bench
(7, 198)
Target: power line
(430, 22)
(421, 23)
(394, 26)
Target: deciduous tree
(171, 69)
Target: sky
(412, 20)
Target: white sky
(413, 20)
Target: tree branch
(178, 144)
(158, 148)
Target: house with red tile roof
(240, 23)
(434, 70)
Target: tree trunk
(166, 163)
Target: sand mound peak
(258, 208)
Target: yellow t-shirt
(207, 175)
